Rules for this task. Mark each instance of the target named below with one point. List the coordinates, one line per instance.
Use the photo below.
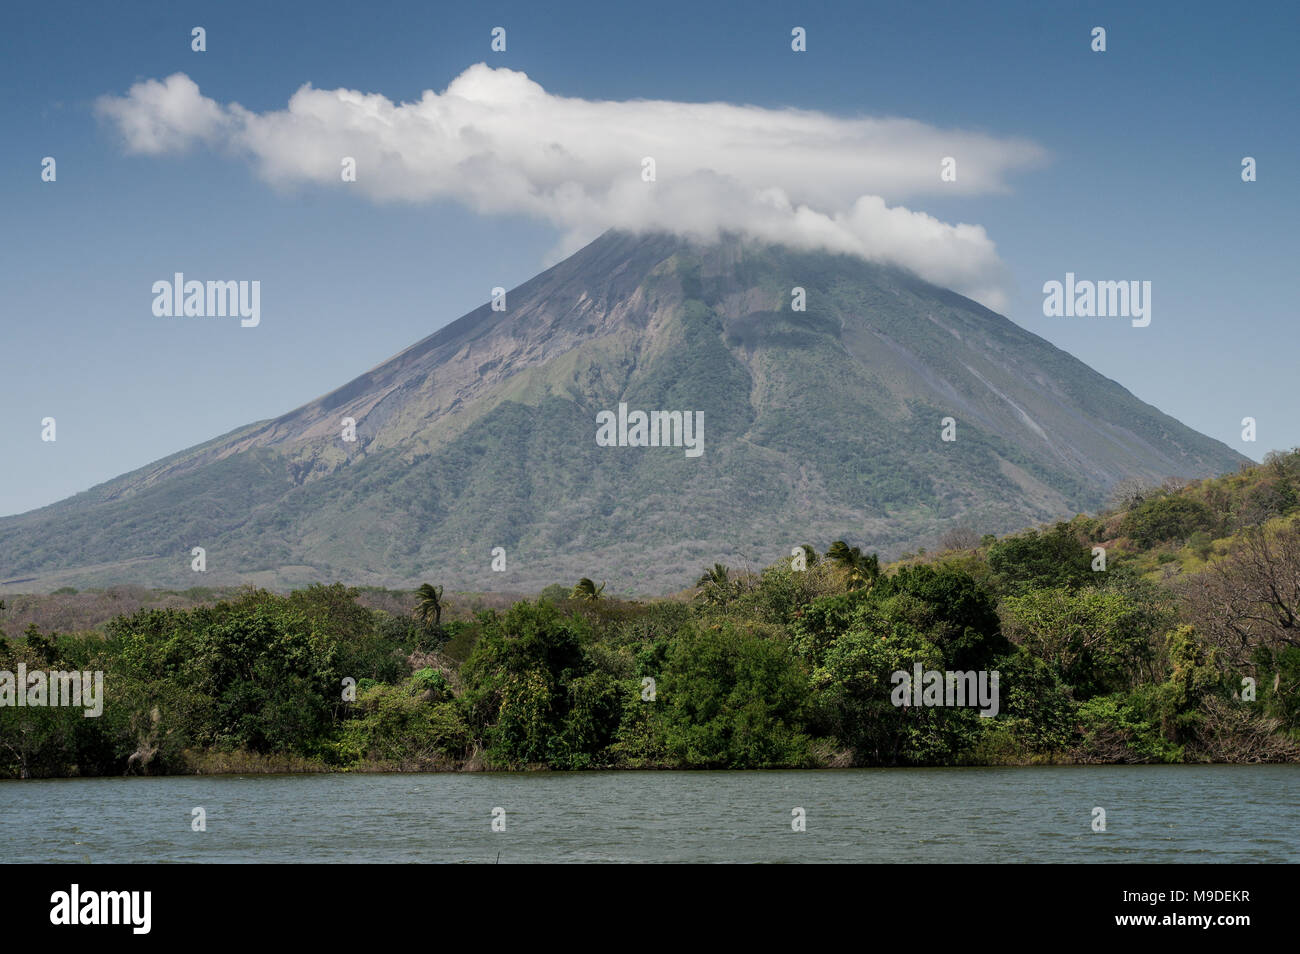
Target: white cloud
(497, 142)
(168, 116)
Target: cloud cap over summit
(498, 142)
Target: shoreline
(271, 768)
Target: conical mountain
(817, 424)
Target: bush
(1167, 518)
(1037, 710)
(734, 700)
(1124, 728)
(1090, 637)
(1034, 560)
(958, 614)
(393, 727)
(431, 682)
(1202, 544)
(555, 593)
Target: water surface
(1041, 814)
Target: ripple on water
(1154, 813)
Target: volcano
(884, 412)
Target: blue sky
(1142, 180)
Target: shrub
(1124, 728)
(1090, 637)
(1167, 518)
(1036, 560)
(734, 699)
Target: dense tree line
(1184, 647)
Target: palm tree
(430, 604)
(810, 554)
(715, 584)
(586, 590)
(860, 568)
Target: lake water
(1153, 814)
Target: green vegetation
(1184, 648)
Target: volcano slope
(819, 424)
